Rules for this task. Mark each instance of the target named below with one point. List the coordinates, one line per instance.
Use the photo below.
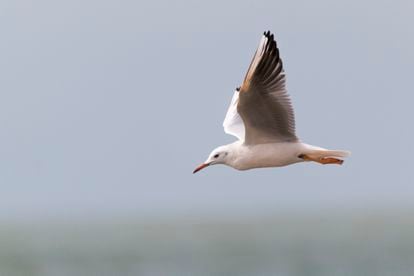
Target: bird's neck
(234, 152)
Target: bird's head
(220, 155)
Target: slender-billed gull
(261, 117)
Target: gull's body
(261, 117)
(244, 157)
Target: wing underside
(233, 123)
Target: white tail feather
(335, 153)
(321, 152)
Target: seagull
(261, 117)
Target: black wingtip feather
(266, 34)
(269, 36)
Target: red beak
(202, 166)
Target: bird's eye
(216, 156)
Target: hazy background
(106, 107)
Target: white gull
(261, 117)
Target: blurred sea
(331, 245)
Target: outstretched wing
(263, 103)
(233, 123)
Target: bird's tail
(333, 153)
(325, 156)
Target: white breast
(267, 155)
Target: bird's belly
(270, 155)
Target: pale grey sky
(107, 106)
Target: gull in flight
(261, 117)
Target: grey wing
(264, 104)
